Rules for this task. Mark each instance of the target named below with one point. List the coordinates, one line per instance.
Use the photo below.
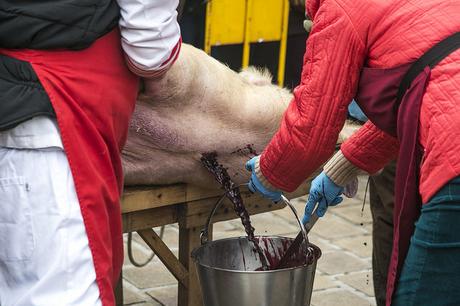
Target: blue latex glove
(355, 111)
(255, 185)
(325, 193)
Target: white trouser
(44, 254)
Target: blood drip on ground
(209, 160)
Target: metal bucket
(226, 270)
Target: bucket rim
(194, 256)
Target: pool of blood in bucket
(273, 253)
(209, 160)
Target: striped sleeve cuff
(262, 179)
(143, 72)
(340, 170)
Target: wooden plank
(140, 198)
(247, 195)
(165, 255)
(143, 219)
(163, 215)
(147, 197)
(189, 238)
(196, 193)
(197, 212)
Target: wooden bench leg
(189, 238)
(165, 255)
(119, 291)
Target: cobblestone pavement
(343, 276)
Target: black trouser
(382, 204)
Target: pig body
(200, 106)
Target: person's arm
(369, 149)
(310, 126)
(150, 35)
(327, 188)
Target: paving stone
(323, 282)
(359, 245)
(361, 281)
(270, 224)
(299, 205)
(353, 213)
(228, 234)
(339, 297)
(236, 224)
(170, 237)
(298, 202)
(302, 199)
(336, 262)
(167, 296)
(226, 229)
(362, 182)
(286, 213)
(223, 226)
(131, 295)
(152, 275)
(323, 244)
(267, 224)
(152, 303)
(367, 228)
(332, 227)
(356, 201)
(139, 253)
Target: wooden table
(146, 207)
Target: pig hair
(259, 76)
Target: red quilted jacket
(350, 34)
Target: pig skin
(200, 105)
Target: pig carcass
(200, 106)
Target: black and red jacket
(49, 24)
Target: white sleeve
(150, 35)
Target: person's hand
(255, 182)
(356, 112)
(324, 193)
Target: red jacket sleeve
(314, 118)
(370, 149)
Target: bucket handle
(204, 235)
(301, 225)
